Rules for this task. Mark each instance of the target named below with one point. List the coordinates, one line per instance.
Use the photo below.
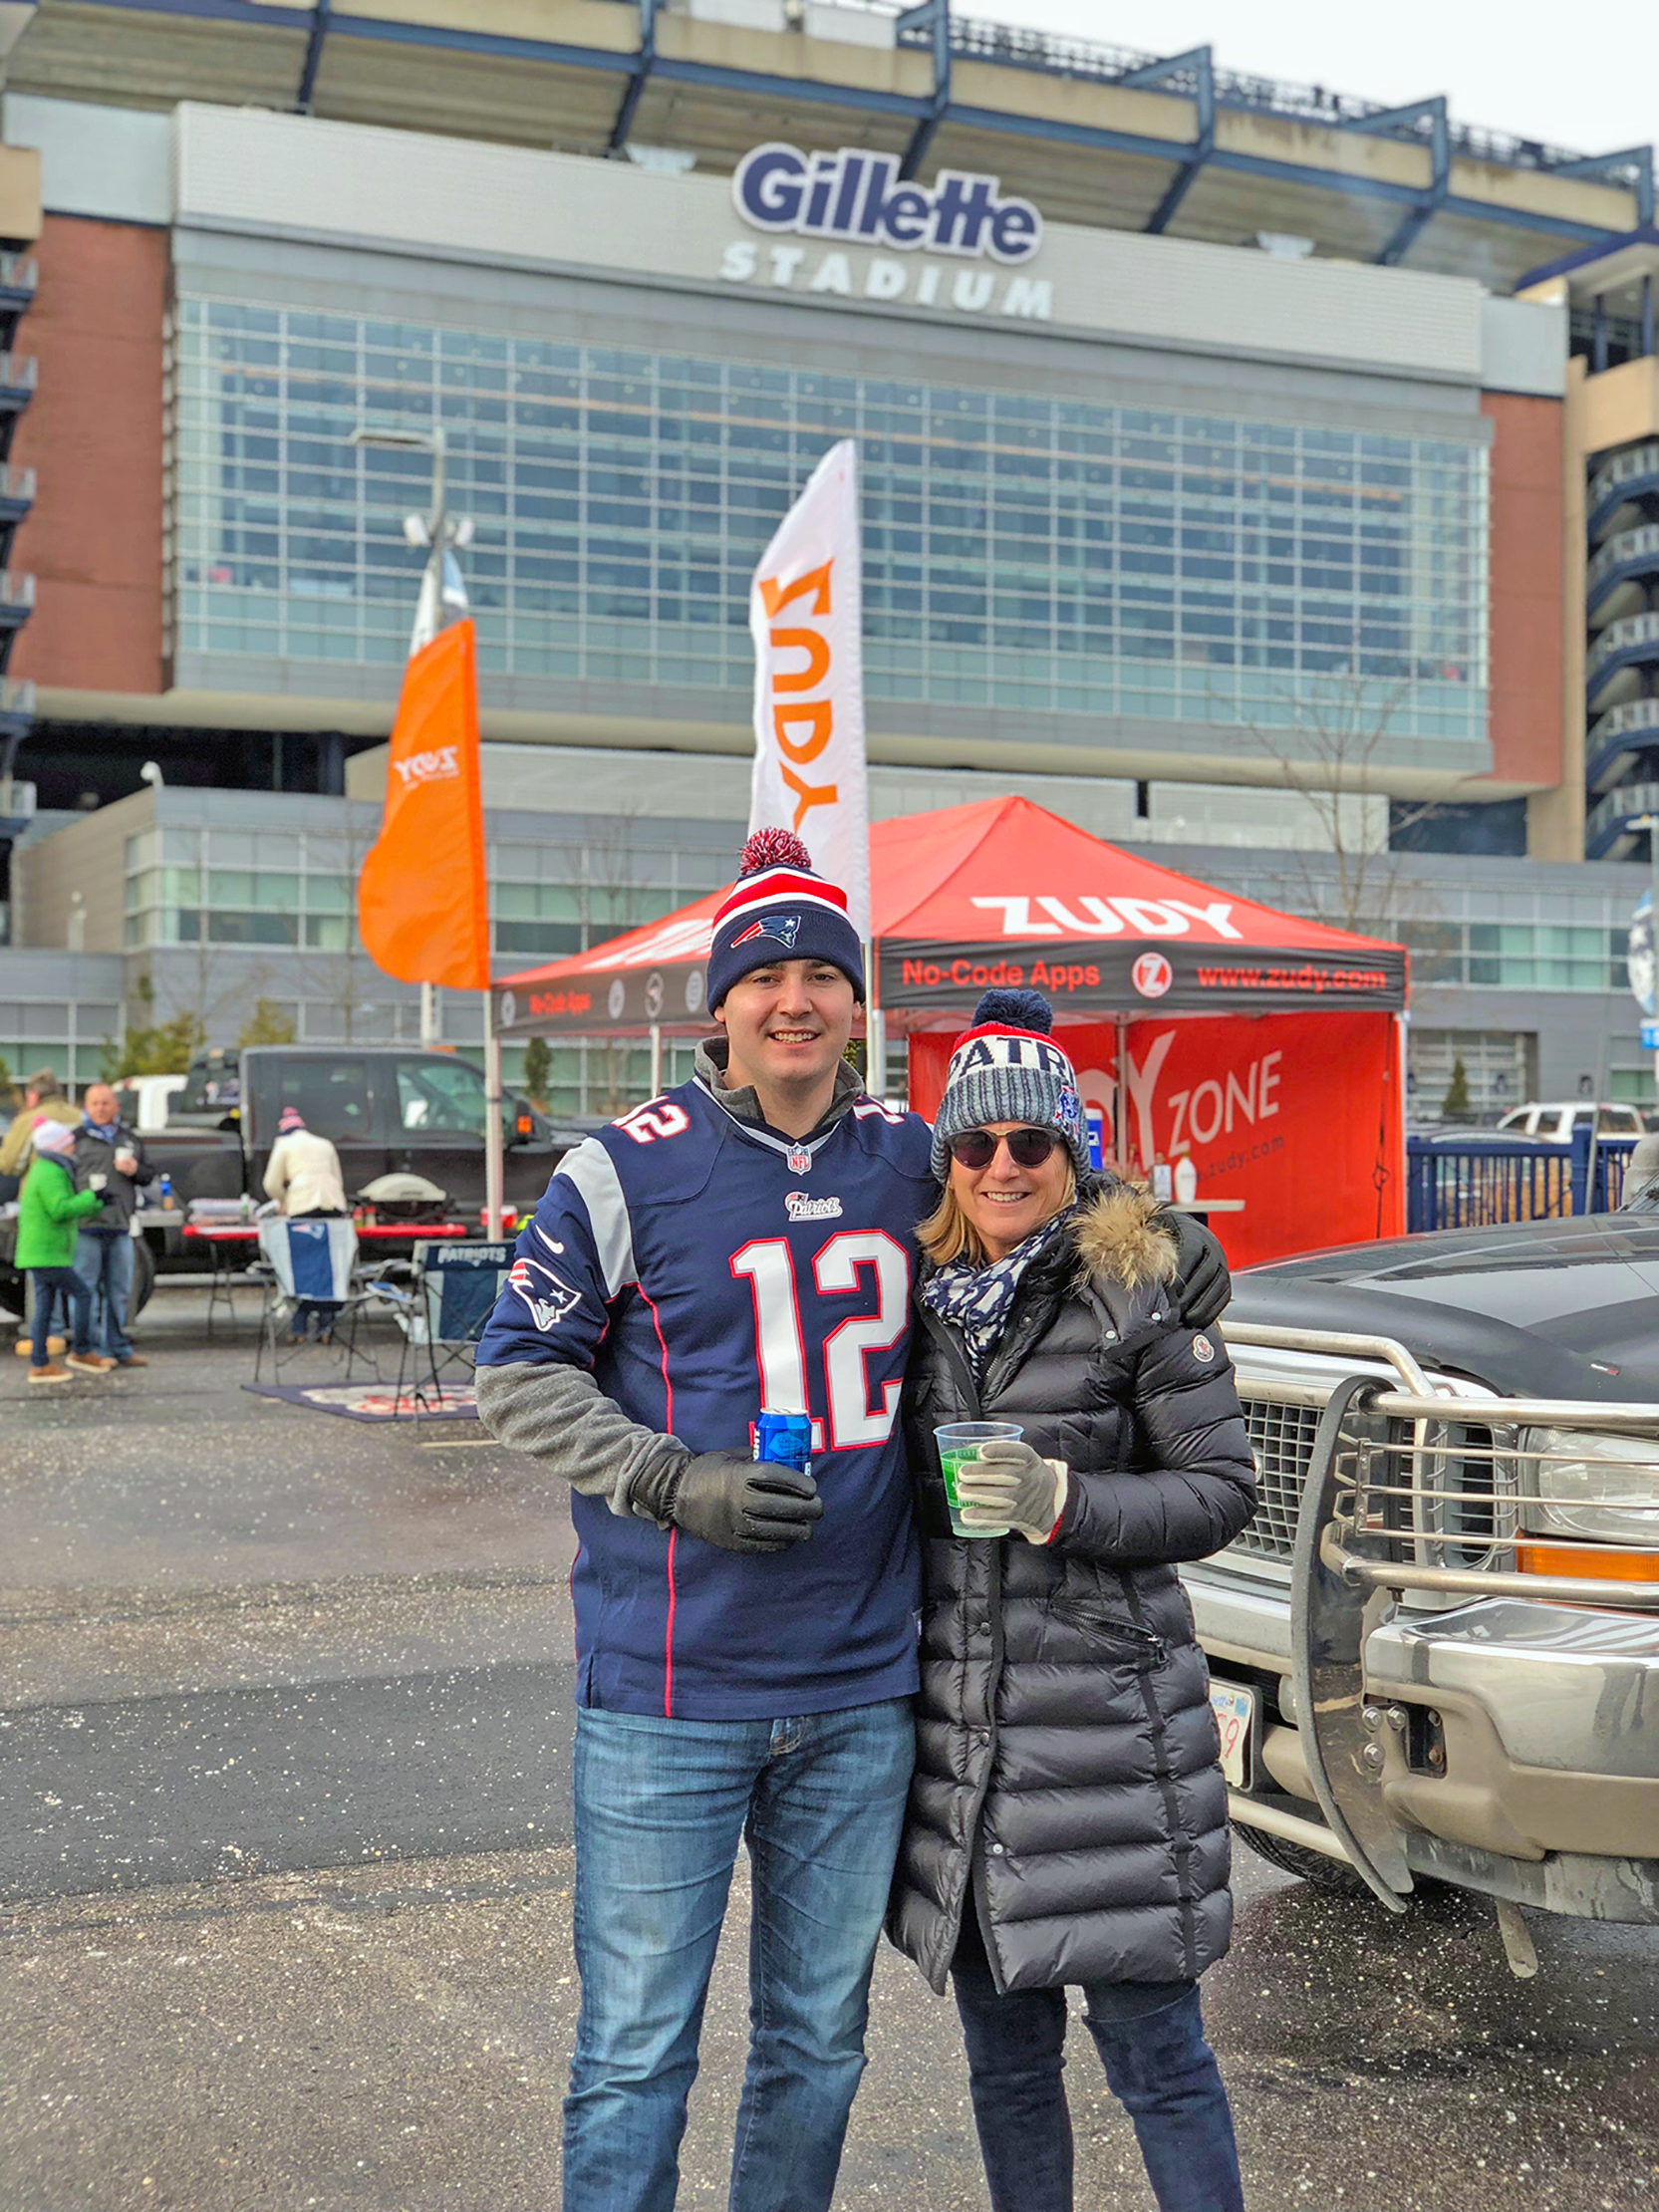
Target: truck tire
(144, 1275)
(1297, 1860)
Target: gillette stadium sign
(854, 215)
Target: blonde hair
(949, 1235)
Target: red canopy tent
(1286, 1098)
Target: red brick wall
(1526, 586)
(93, 431)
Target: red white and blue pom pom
(772, 847)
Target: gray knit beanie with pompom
(1008, 1067)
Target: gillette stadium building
(1249, 467)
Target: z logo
(549, 1306)
(784, 927)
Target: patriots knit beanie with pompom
(781, 909)
(1008, 1067)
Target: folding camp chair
(312, 1265)
(441, 1310)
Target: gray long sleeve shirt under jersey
(559, 1413)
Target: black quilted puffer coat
(1067, 1784)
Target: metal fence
(1480, 1182)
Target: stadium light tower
(443, 596)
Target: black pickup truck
(384, 1108)
(1435, 1653)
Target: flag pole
(874, 1025)
(493, 1175)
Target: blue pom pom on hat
(1008, 1067)
(1005, 1008)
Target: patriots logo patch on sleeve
(784, 927)
(549, 1299)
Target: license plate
(1234, 1712)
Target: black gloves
(1202, 1285)
(729, 1500)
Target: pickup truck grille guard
(1404, 1485)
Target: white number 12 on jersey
(780, 1352)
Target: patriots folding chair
(441, 1310)
(311, 1274)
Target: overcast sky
(1585, 78)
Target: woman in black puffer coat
(1067, 1820)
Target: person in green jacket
(48, 1209)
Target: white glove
(1012, 1486)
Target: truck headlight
(1604, 1488)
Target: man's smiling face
(788, 1023)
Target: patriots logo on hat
(548, 1306)
(784, 927)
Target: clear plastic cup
(959, 1444)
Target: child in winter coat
(49, 1207)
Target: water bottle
(165, 1188)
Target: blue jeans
(661, 1807)
(104, 1266)
(1158, 2066)
(44, 1282)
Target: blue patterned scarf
(977, 1301)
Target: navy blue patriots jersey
(703, 1268)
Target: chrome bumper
(1576, 1691)
(1448, 1711)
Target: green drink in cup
(958, 1445)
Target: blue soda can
(785, 1439)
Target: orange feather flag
(421, 908)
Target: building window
(1020, 552)
(1499, 1070)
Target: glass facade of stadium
(1020, 551)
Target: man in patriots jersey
(746, 1633)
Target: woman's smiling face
(1004, 1201)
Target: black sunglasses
(1027, 1148)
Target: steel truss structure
(930, 26)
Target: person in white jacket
(302, 1173)
(303, 1176)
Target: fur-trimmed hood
(1119, 1241)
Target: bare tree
(605, 870)
(206, 983)
(342, 975)
(1331, 755)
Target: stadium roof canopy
(1095, 133)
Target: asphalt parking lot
(284, 1845)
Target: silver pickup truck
(1435, 1654)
